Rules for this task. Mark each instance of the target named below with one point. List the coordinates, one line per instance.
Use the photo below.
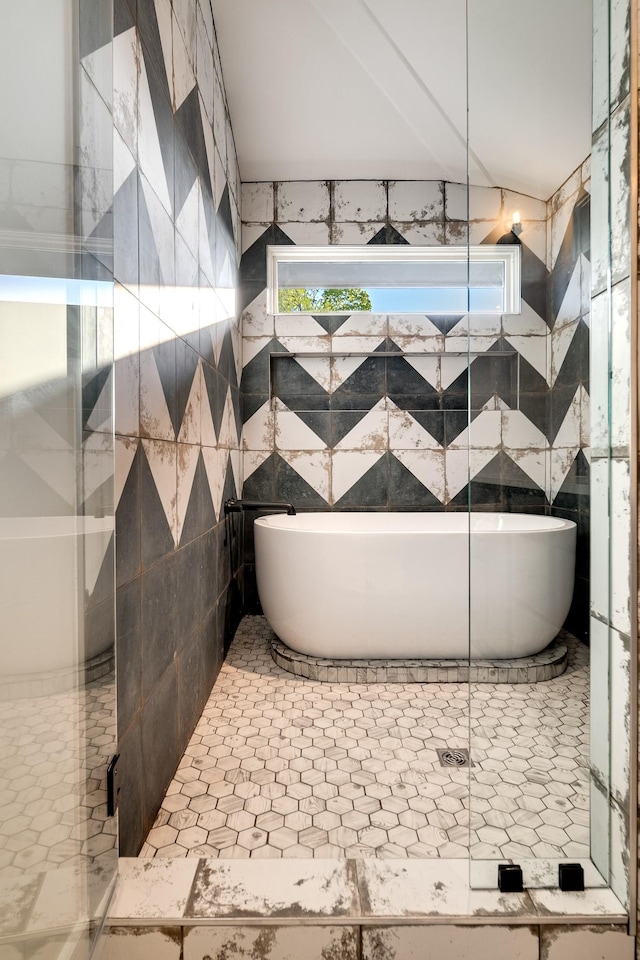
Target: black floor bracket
(510, 878)
(570, 876)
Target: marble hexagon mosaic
(281, 766)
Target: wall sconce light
(513, 236)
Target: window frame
(508, 254)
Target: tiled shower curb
(550, 663)
(190, 908)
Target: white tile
(292, 433)
(349, 466)
(238, 888)
(299, 325)
(361, 325)
(620, 546)
(316, 233)
(620, 411)
(219, 124)
(182, 73)
(302, 200)
(152, 888)
(125, 87)
(355, 233)
(258, 431)
(599, 212)
(519, 433)
(428, 466)
(370, 433)
(599, 499)
(149, 152)
(257, 202)
(620, 732)
(485, 430)
(139, 943)
(271, 943)
(425, 234)
(313, 467)
(204, 67)
(600, 744)
(590, 903)
(601, 63)
(186, 460)
(359, 201)
(428, 367)
(619, 195)
(473, 203)
(256, 321)
(619, 50)
(618, 853)
(155, 420)
(161, 457)
(588, 943)
(411, 200)
(463, 943)
(528, 207)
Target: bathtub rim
(284, 522)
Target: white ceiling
(377, 89)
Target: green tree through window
(305, 300)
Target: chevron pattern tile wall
(177, 369)
(395, 433)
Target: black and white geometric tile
(354, 430)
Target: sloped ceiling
(379, 89)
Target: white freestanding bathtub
(415, 585)
(46, 565)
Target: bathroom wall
(613, 438)
(177, 349)
(393, 434)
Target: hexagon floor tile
(281, 766)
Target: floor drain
(454, 757)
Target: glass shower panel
(528, 445)
(58, 850)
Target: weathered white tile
(428, 466)
(432, 888)
(599, 212)
(302, 200)
(126, 53)
(427, 234)
(588, 903)
(240, 889)
(601, 63)
(370, 433)
(619, 50)
(161, 457)
(411, 200)
(620, 198)
(258, 430)
(257, 202)
(599, 942)
(152, 888)
(599, 499)
(359, 201)
(314, 233)
(620, 546)
(528, 207)
(139, 943)
(292, 433)
(620, 376)
(349, 466)
(355, 233)
(599, 335)
(272, 942)
(600, 744)
(463, 943)
(314, 467)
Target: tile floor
(53, 751)
(281, 766)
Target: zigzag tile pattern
(528, 415)
(395, 433)
(177, 367)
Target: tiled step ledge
(191, 892)
(550, 663)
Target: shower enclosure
(58, 831)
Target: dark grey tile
(132, 824)
(128, 517)
(159, 621)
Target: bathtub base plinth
(550, 663)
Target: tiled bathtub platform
(547, 665)
(348, 910)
